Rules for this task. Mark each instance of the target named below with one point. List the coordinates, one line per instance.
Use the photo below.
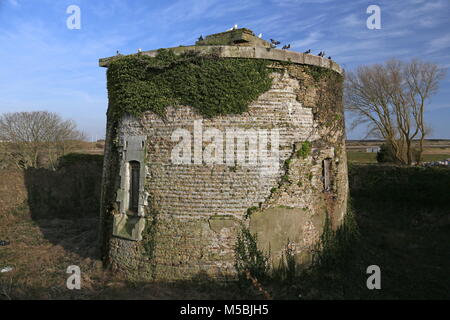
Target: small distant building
(373, 149)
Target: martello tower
(205, 141)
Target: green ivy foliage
(212, 85)
(318, 73)
(304, 150)
(248, 257)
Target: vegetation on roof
(211, 85)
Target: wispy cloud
(312, 38)
(353, 20)
(291, 3)
(440, 43)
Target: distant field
(361, 157)
(435, 157)
(371, 157)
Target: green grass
(435, 157)
(361, 157)
(371, 157)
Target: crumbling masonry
(171, 212)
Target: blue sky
(46, 66)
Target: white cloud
(312, 38)
(352, 20)
(416, 10)
(286, 3)
(439, 43)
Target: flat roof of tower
(242, 43)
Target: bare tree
(390, 99)
(32, 138)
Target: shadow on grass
(109, 286)
(65, 202)
(403, 226)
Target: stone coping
(249, 52)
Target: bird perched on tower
(286, 46)
(200, 38)
(307, 51)
(275, 42)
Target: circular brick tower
(180, 187)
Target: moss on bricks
(149, 235)
(250, 211)
(318, 72)
(305, 150)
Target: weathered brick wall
(194, 209)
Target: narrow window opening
(135, 169)
(327, 174)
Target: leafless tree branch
(390, 99)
